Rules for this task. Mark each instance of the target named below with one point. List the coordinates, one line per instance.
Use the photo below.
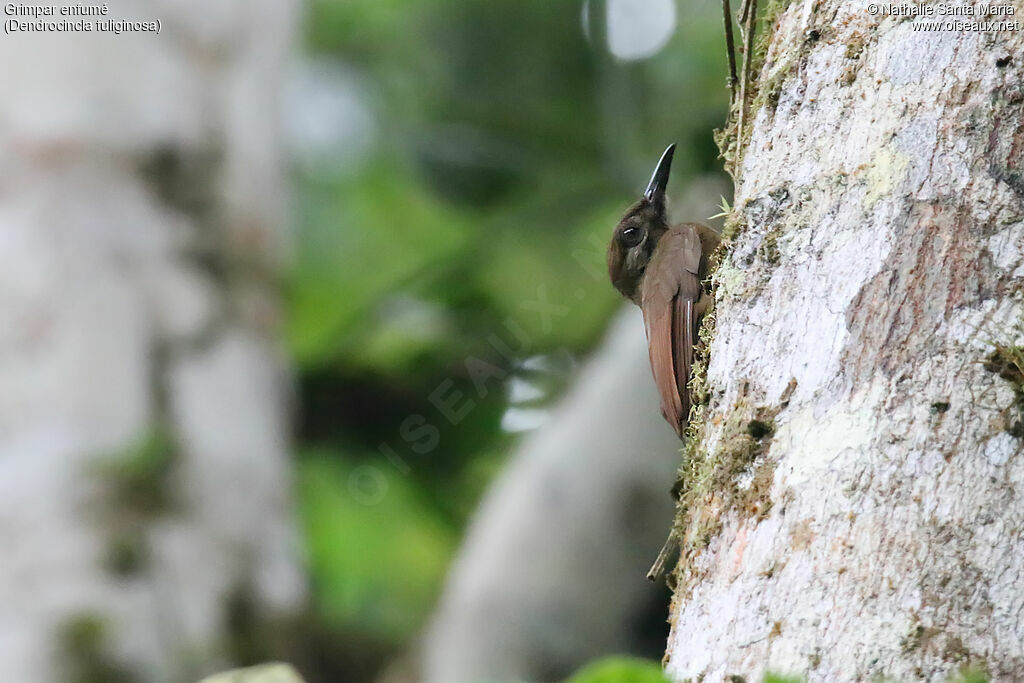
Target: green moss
(734, 479)
(1007, 362)
(918, 637)
(766, 81)
(769, 248)
(730, 147)
(758, 429)
(854, 49)
(955, 650)
(725, 140)
(138, 486)
(770, 13)
(855, 46)
(732, 282)
(139, 475)
(770, 90)
(83, 633)
(973, 669)
(82, 644)
(707, 484)
(127, 553)
(733, 225)
(699, 390)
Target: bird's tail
(684, 359)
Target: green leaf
(620, 670)
(726, 210)
(776, 678)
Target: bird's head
(638, 232)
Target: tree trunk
(852, 507)
(144, 477)
(552, 571)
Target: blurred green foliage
(620, 670)
(505, 144)
(971, 675)
(377, 553)
(504, 138)
(363, 236)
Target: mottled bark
(144, 479)
(854, 506)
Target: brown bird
(660, 269)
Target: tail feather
(684, 357)
(661, 344)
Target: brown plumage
(660, 269)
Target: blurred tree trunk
(552, 571)
(854, 507)
(144, 476)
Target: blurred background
(286, 288)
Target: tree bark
(852, 506)
(144, 475)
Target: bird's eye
(631, 237)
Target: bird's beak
(659, 181)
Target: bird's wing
(669, 291)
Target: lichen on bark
(876, 256)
